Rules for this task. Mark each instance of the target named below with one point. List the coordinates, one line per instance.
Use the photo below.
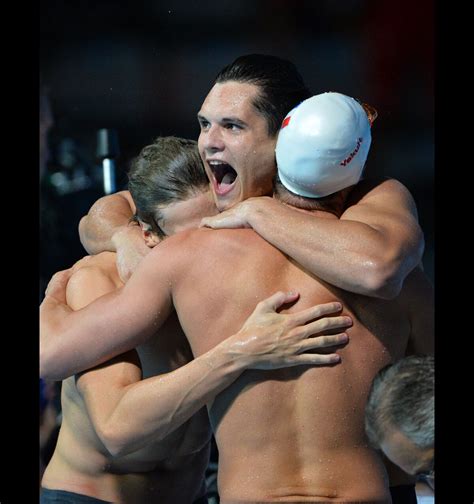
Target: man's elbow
(85, 236)
(115, 444)
(121, 438)
(380, 285)
(384, 276)
(48, 368)
(115, 439)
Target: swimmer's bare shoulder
(177, 254)
(92, 277)
(389, 213)
(101, 387)
(389, 192)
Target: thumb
(206, 222)
(213, 221)
(277, 300)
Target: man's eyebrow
(225, 120)
(234, 120)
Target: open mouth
(224, 176)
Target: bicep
(103, 386)
(145, 295)
(148, 291)
(112, 324)
(388, 206)
(390, 211)
(131, 314)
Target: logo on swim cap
(324, 147)
(352, 154)
(285, 122)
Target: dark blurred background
(144, 68)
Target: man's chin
(222, 206)
(224, 202)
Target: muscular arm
(128, 413)
(106, 217)
(370, 250)
(106, 228)
(72, 341)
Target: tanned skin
(168, 469)
(283, 435)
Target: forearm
(151, 409)
(348, 254)
(161, 404)
(71, 341)
(106, 217)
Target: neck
(321, 214)
(327, 207)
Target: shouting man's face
(237, 151)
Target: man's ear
(151, 238)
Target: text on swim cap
(352, 154)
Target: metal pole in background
(107, 152)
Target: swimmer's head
(323, 145)
(399, 417)
(239, 121)
(169, 187)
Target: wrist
(227, 357)
(257, 211)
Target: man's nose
(213, 141)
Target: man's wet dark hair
(281, 85)
(333, 203)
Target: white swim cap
(322, 145)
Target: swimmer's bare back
(295, 434)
